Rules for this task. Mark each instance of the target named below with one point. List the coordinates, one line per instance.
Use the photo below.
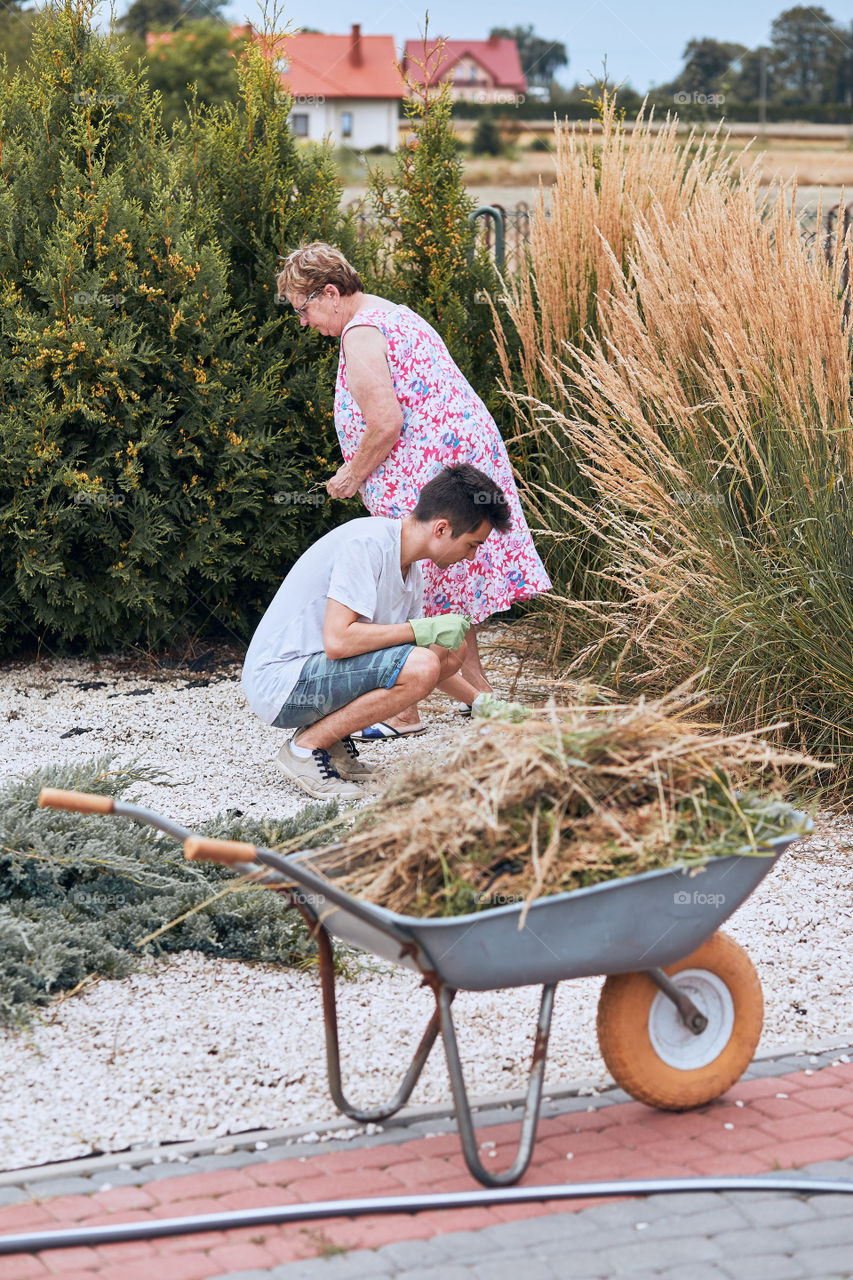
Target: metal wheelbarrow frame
(637, 923)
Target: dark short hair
(466, 497)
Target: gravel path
(194, 1046)
(195, 725)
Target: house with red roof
(348, 87)
(477, 70)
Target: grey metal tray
(638, 922)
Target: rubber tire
(623, 1030)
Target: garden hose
(277, 1215)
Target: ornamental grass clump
(582, 233)
(570, 797)
(711, 422)
(695, 450)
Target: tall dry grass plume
(604, 181)
(698, 434)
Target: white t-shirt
(357, 564)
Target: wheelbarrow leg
(532, 1103)
(333, 1056)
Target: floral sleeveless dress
(444, 422)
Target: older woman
(403, 411)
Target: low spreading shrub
(79, 893)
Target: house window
(300, 124)
(346, 124)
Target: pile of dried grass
(570, 797)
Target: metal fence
(505, 233)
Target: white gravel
(194, 1047)
(193, 725)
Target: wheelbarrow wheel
(649, 1051)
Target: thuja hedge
(79, 893)
(165, 428)
(161, 420)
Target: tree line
(805, 68)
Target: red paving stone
(64, 1260)
(79, 1275)
(815, 1125)
(122, 1199)
(781, 1107)
(138, 1248)
(812, 1122)
(70, 1210)
(20, 1217)
(241, 1257)
(740, 1138)
(194, 1185)
(664, 1151)
(260, 1198)
(18, 1266)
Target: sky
(643, 39)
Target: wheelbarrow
(679, 1015)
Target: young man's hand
(447, 630)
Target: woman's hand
(343, 483)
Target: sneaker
(345, 759)
(316, 774)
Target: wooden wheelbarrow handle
(228, 852)
(76, 801)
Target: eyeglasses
(300, 311)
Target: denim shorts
(327, 684)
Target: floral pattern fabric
(444, 422)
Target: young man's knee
(422, 668)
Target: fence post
(489, 211)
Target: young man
(343, 644)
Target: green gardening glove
(448, 630)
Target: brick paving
(796, 1113)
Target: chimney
(494, 41)
(355, 55)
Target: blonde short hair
(312, 266)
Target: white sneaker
(316, 774)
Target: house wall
(374, 121)
(470, 80)
(468, 73)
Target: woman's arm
(369, 381)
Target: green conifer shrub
(162, 425)
(424, 253)
(487, 139)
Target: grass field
(819, 164)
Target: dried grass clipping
(570, 797)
